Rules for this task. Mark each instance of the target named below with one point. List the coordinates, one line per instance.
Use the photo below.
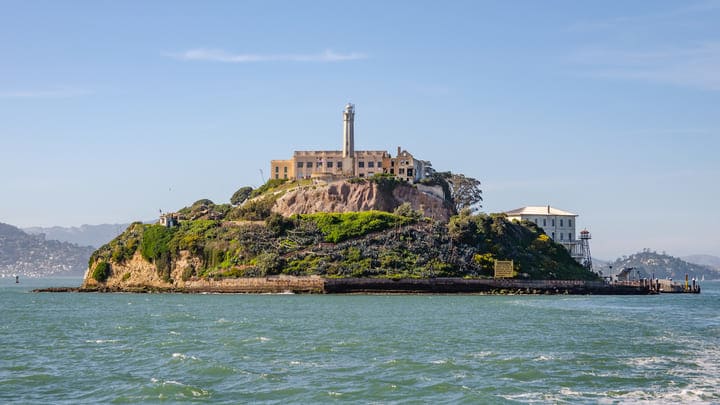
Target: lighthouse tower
(349, 139)
(585, 249)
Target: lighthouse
(348, 152)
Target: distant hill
(84, 235)
(650, 263)
(33, 255)
(704, 260)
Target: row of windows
(309, 165)
(562, 236)
(369, 164)
(552, 221)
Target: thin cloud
(58, 92)
(219, 55)
(695, 66)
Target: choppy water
(128, 348)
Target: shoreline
(318, 285)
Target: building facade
(348, 162)
(557, 224)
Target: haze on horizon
(110, 111)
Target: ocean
(70, 348)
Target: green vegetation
(249, 240)
(338, 227)
(270, 185)
(101, 272)
(241, 195)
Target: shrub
(337, 227)
(155, 241)
(101, 272)
(271, 184)
(241, 195)
(253, 210)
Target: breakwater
(319, 285)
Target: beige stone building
(348, 162)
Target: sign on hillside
(504, 269)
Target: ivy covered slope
(248, 240)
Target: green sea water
(160, 348)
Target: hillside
(84, 235)
(251, 240)
(33, 255)
(704, 260)
(651, 263)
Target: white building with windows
(557, 224)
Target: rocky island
(341, 221)
(373, 234)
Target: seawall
(319, 285)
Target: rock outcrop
(342, 196)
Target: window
(544, 222)
(561, 235)
(370, 173)
(277, 176)
(409, 172)
(379, 164)
(553, 236)
(362, 175)
(361, 164)
(300, 165)
(285, 169)
(392, 163)
(285, 176)
(371, 164)
(401, 171)
(308, 165)
(561, 222)
(536, 221)
(570, 236)
(339, 165)
(329, 164)
(553, 224)
(319, 164)
(569, 222)
(392, 171)
(277, 169)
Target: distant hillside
(663, 266)
(33, 255)
(704, 260)
(84, 235)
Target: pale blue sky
(112, 110)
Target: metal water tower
(585, 249)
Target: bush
(337, 227)
(241, 195)
(253, 210)
(101, 272)
(271, 184)
(155, 241)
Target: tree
(465, 191)
(241, 195)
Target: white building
(557, 224)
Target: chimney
(548, 209)
(398, 155)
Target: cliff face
(356, 197)
(140, 273)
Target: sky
(111, 111)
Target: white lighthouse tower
(349, 139)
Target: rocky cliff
(343, 196)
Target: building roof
(538, 210)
